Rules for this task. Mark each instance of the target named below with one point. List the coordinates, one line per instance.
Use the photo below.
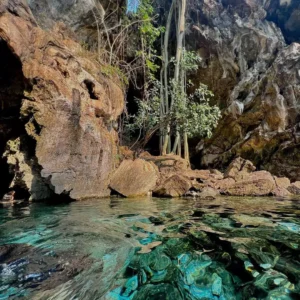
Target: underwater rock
(217, 285)
(246, 220)
(22, 266)
(164, 291)
(135, 178)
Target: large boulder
(282, 182)
(168, 165)
(135, 178)
(261, 187)
(62, 106)
(260, 183)
(282, 185)
(174, 186)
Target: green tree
(168, 106)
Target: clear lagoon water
(120, 249)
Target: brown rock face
(281, 192)
(168, 165)
(174, 186)
(134, 178)
(294, 188)
(260, 183)
(282, 182)
(64, 106)
(261, 187)
(239, 165)
(224, 184)
(209, 193)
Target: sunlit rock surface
(64, 109)
(134, 178)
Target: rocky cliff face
(79, 15)
(253, 69)
(57, 111)
(57, 108)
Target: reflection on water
(229, 248)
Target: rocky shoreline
(170, 176)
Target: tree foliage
(167, 106)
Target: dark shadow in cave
(91, 89)
(12, 85)
(133, 94)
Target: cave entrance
(12, 85)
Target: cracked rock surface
(64, 108)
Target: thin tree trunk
(179, 147)
(178, 68)
(186, 147)
(176, 143)
(166, 53)
(167, 138)
(166, 141)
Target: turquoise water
(229, 248)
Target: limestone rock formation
(239, 166)
(254, 73)
(174, 186)
(135, 178)
(251, 187)
(294, 188)
(79, 15)
(168, 165)
(55, 99)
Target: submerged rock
(23, 267)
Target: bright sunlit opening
(132, 6)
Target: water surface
(229, 248)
